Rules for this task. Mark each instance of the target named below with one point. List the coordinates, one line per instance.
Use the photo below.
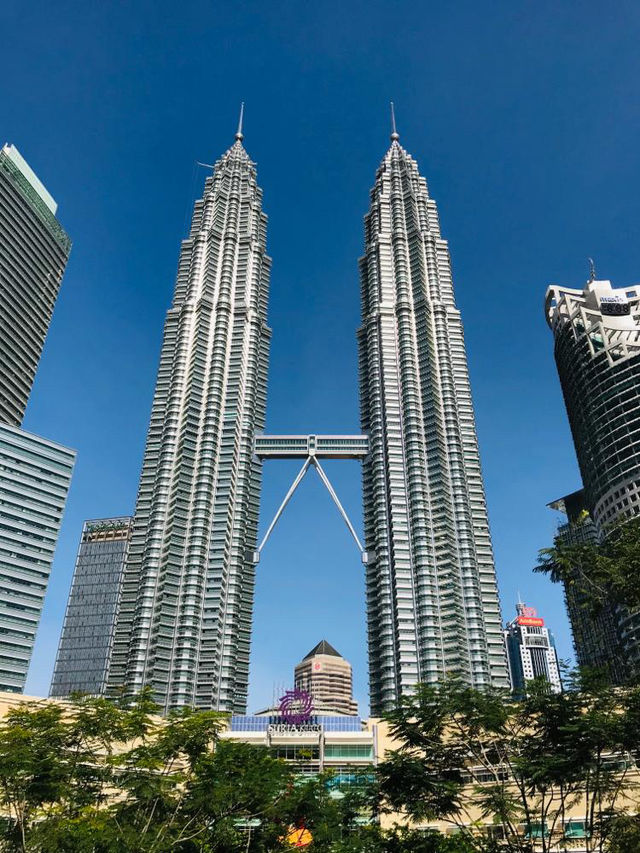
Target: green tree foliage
(522, 766)
(601, 573)
(96, 776)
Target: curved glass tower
(597, 351)
(432, 596)
(184, 619)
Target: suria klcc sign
(296, 709)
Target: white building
(184, 622)
(35, 475)
(531, 650)
(432, 597)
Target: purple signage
(296, 707)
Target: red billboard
(530, 621)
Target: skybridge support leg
(310, 460)
(336, 501)
(281, 508)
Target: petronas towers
(432, 599)
(184, 621)
(185, 613)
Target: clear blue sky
(524, 118)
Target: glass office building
(596, 334)
(34, 480)
(87, 633)
(34, 250)
(432, 597)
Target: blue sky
(524, 117)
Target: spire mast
(239, 134)
(394, 132)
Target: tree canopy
(101, 776)
(606, 572)
(507, 774)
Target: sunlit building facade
(531, 650)
(432, 597)
(597, 351)
(326, 676)
(87, 632)
(35, 475)
(34, 249)
(184, 620)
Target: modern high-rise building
(34, 250)
(596, 636)
(34, 480)
(597, 351)
(432, 597)
(35, 473)
(326, 676)
(184, 621)
(531, 650)
(87, 632)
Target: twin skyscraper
(185, 597)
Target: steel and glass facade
(432, 597)
(34, 480)
(597, 351)
(531, 650)
(184, 620)
(34, 249)
(87, 632)
(596, 636)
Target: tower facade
(87, 632)
(596, 334)
(432, 597)
(184, 619)
(35, 475)
(34, 249)
(326, 676)
(531, 650)
(596, 636)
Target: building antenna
(394, 131)
(592, 270)
(239, 134)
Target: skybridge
(311, 448)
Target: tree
(606, 572)
(508, 774)
(97, 776)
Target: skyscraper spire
(394, 132)
(239, 134)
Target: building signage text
(294, 729)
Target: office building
(34, 250)
(531, 650)
(596, 636)
(34, 480)
(326, 676)
(432, 598)
(184, 620)
(597, 351)
(87, 632)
